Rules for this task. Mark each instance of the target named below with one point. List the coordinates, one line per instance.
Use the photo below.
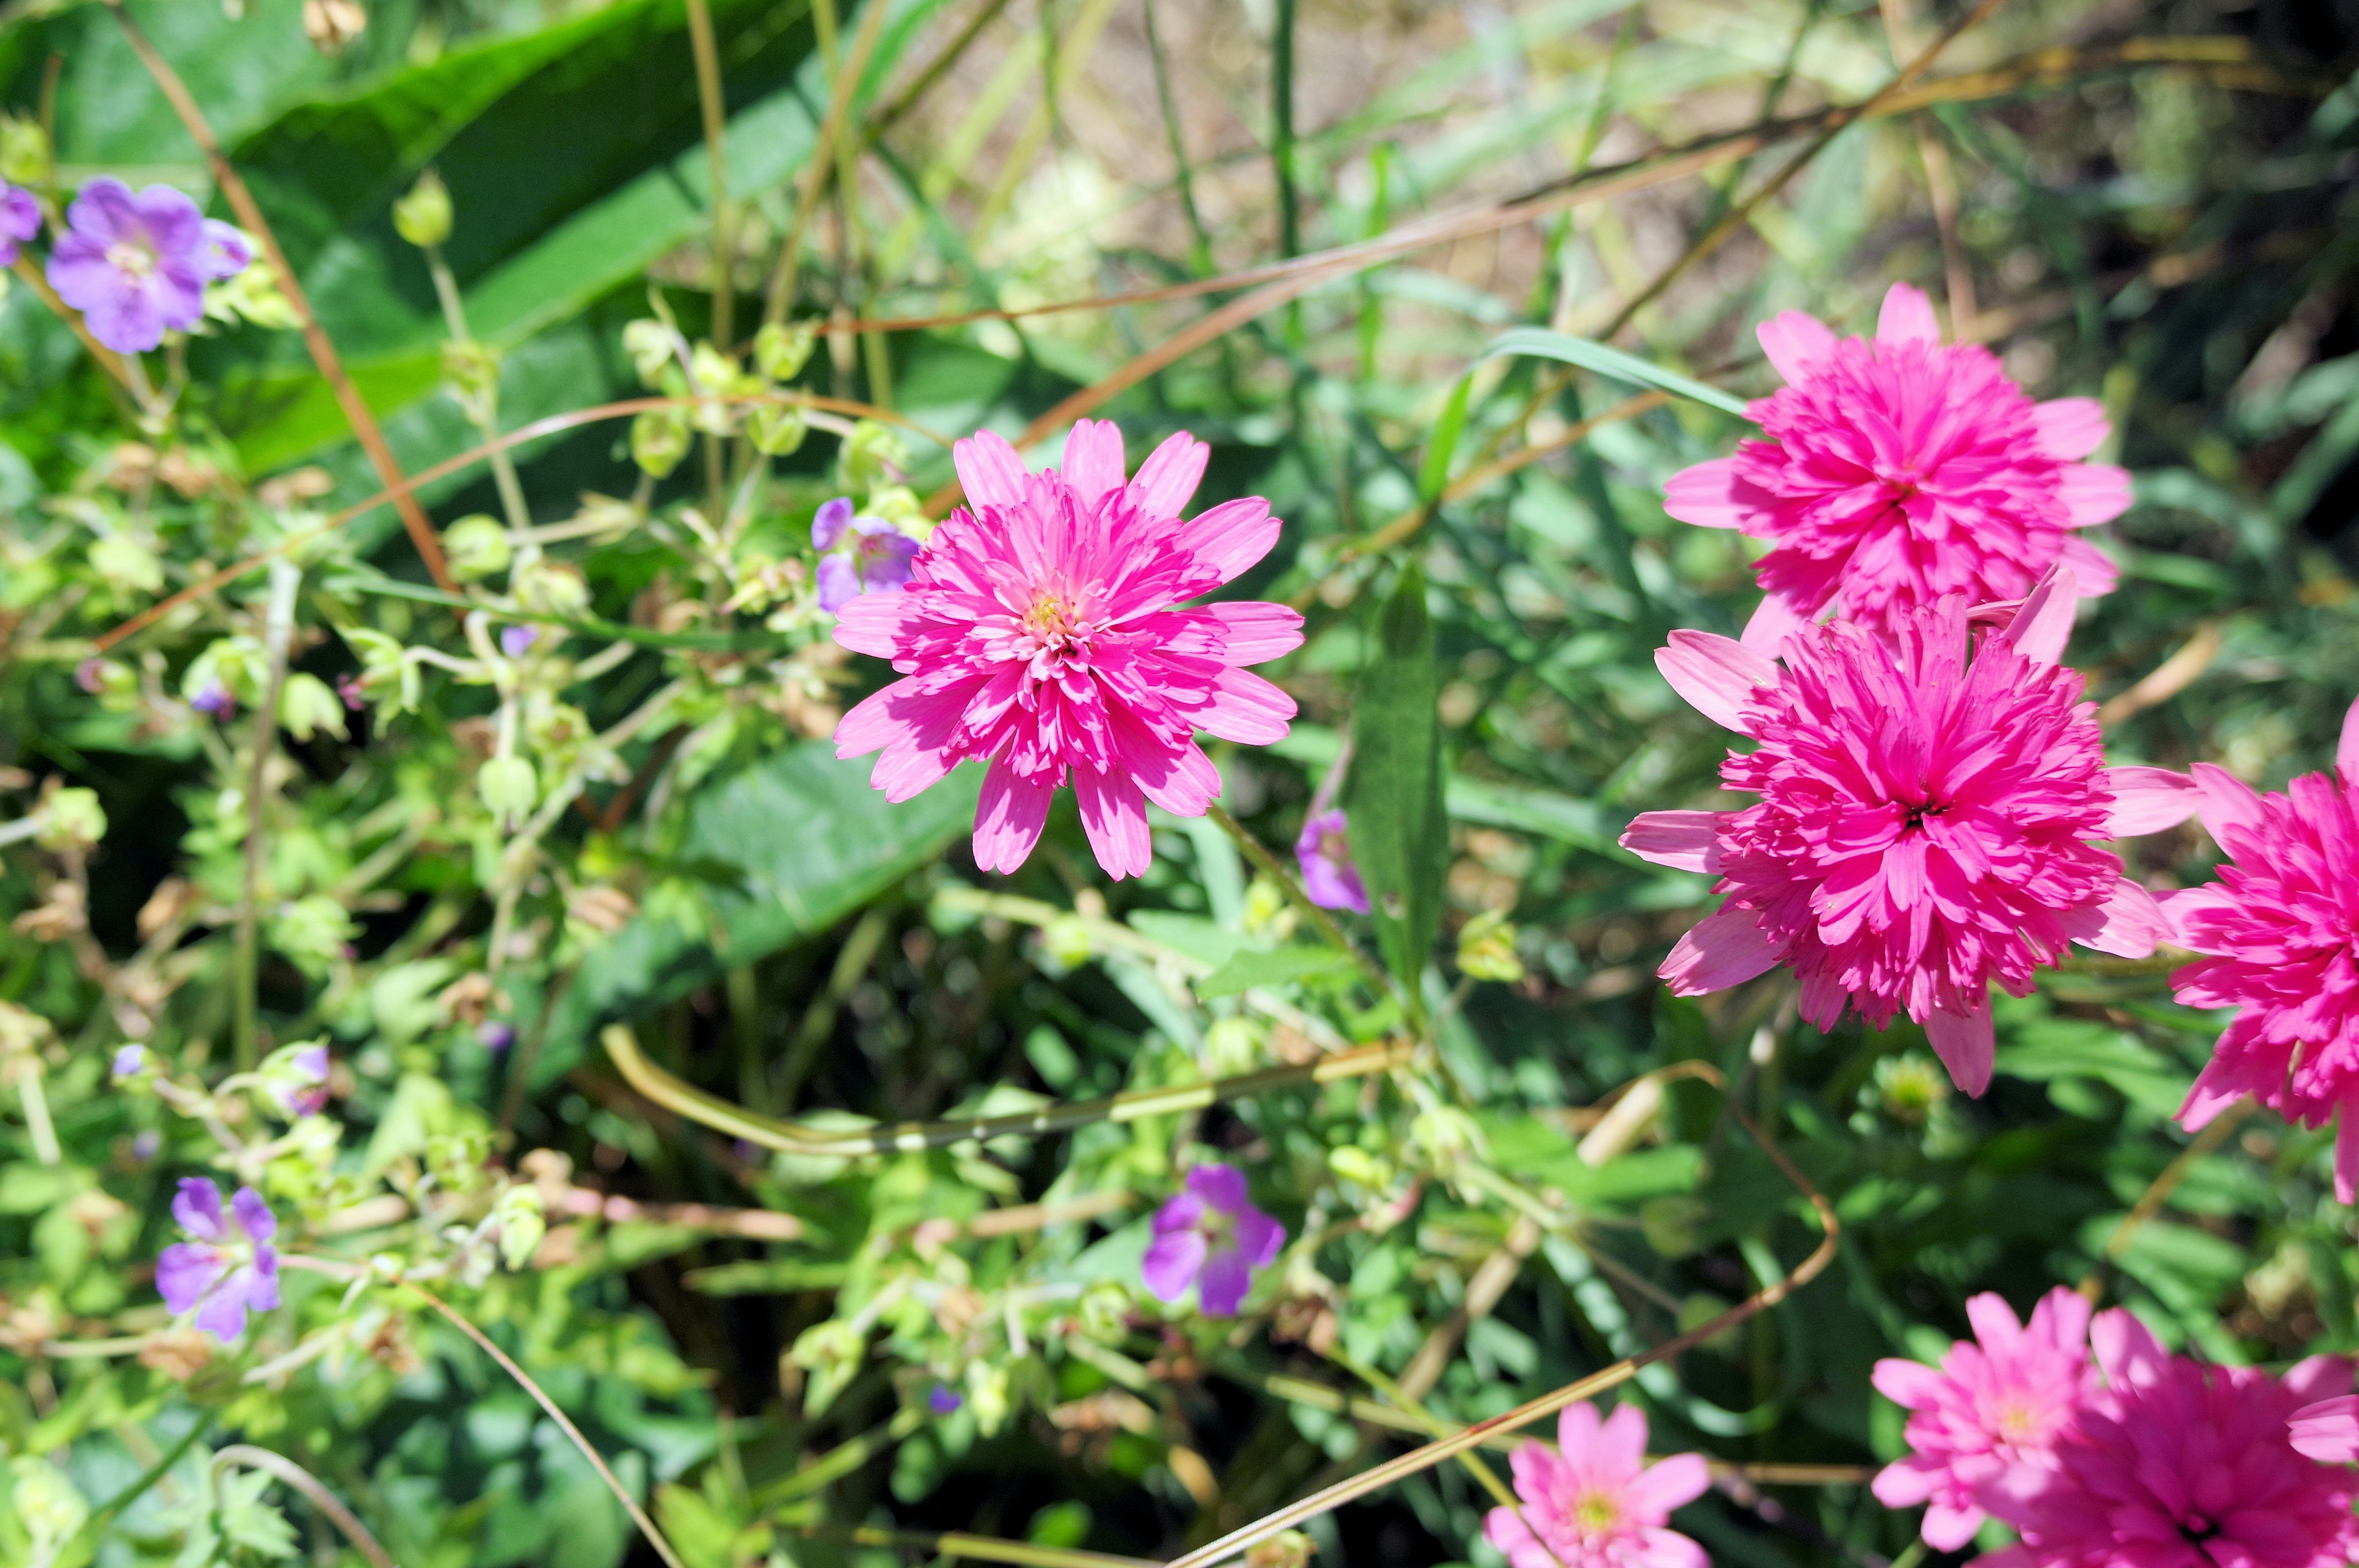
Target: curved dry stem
(293, 1474)
(565, 1423)
(1294, 1514)
(687, 1100)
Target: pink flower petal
(2328, 1430)
(1670, 1484)
(1169, 476)
(1687, 839)
(1905, 1483)
(1717, 676)
(1774, 620)
(1907, 318)
(1114, 815)
(1964, 1046)
(1912, 1385)
(1008, 817)
(1719, 951)
(988, 469)
(1706, 495)
(2098, 573)
(2346, 749)
(2126, 923)
(1621, 1446)
(1795, 343)
(1246, 708)
(2147, 800)
(877, 623)
(2126, 1350)
(1229, 538)
(2044, 625)
(2094, 494)
(1995, 1323)
(1093, 460)
(2069, 429)
(2229, 804)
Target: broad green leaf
(1400, 837)
(1276, 967)
(810, 843)
(1612, 363)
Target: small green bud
(312, 932)
(782, 349)
(1355, 1164)
(309, 705)
(423, 217)
(1486, 948)
(472, 369)
(508, 786)
(777, 429)
(26, 157)
(870, 457)
(522, 1224)
(659, 440)
(650, 344)
(553, 589)
(72, 820)
(477, 547)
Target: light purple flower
(147, 1145)
(20, 220)
(1210, 1235)
(944, 1400)
(227, 251)
(91, 674)
(229, 1268)
(214, 700)
(132, 1062)
(136, 266)
(1324, 852)
(493, 1035)
(296, 1079)
(517, 640)
(857, 555)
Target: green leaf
(1610, 362)
(1400, 837)
(1279, 967)
(810, 843)
(1443, 443)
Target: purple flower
(349, 687)
(136, 266)
(229, 1268)
(296, 1079)
(227, 251)
(20, 220)
(147, 1145)
(493, 1035)
(944, 1400)
(857, 555)
(91, 674)
(1210, 1236)
(515, 640)
(132, 1062)
(214, 700)
(1324, 852)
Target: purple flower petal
(944, 1400)
(224, 1312)
(1259, 1238)
(253, 1215)
(839, 583)
(493, 1035)
(227, 251)
(1180, 1211)
(185, 1272)
(128, 320)
(1221, 1287)
(515, 640)
(173, 224)
(1223, 1186)
(20, 220)
(1172, 1262)
(129, 1062)
(103, 212)
(830, 522)
(198, 1209)
(261, 1280)
(1324, 854)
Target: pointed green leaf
(1612, 363)
(1393, 797)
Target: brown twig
(323, 352)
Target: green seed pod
(659, 440)
(782, 350)
(423, 217)
(776, 429)
(477, 547)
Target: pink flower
(1598, 1503)
(1898, 472)
(1331, 878)
(1210, 1235)
(2178, 1465)
(1999, 1401)
(229, 1266)
(1039, 633)
(2278, 931)
(1923, 823)
(2328, 1430)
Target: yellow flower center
(1051, 619)
(1596, 1511)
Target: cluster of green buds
(730, 397)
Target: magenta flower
(1324, 853)
(2178, 1465)
(1923, 823)
(1210, 1235)
(2328, 1430)
(1039, 633)
(136, 266)
(857, 555)
(1999, 1401)
(1901, 471)
(1597, 1503)
(20, 220)
(229, 1268)
(2281, 948)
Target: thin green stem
(843, 1458)
(954, 1545)
(278, 632)
(484, 413)
(715, 110)
(37, 1125)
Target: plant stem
(716, 110)
(485, 416)
(278, 632)
(38, 1126)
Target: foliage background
(2150, 203)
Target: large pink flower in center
(1923, 823)
(1039, 633)
(1900, 470)
(2282, 931)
